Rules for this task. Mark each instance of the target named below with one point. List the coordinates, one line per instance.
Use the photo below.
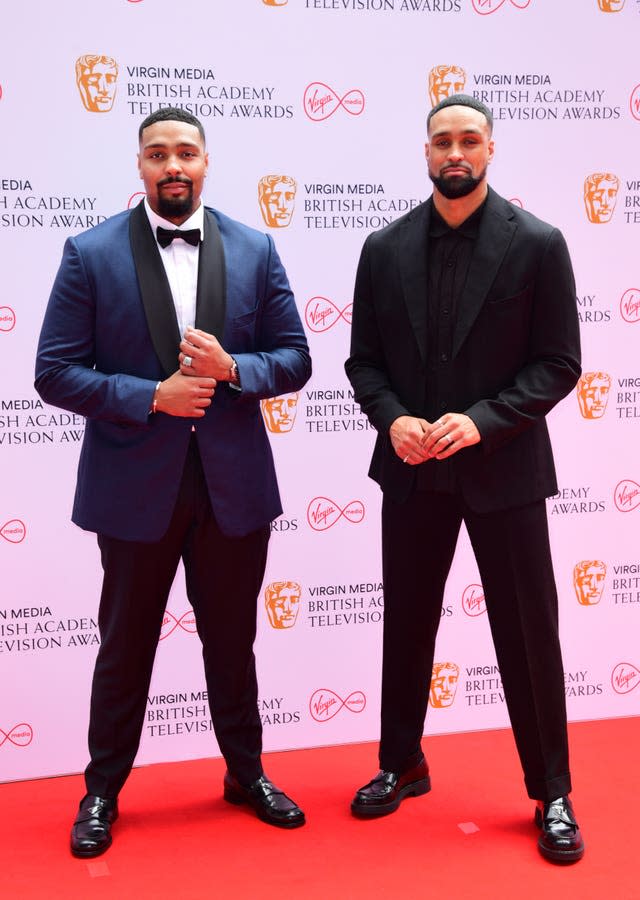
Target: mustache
(464, 166)
(174, 179)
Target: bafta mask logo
(593, 394)
(279, 413)
(275, 2)
(444, 683)
(282, 602)
(600, 195)
(610, 5)
(445, 81)
(277, 199)
(588, 581)
(97, 79)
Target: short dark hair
(462, 100)
(171, 114)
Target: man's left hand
(450, 433)
(204, 355)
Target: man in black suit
(465, 334)
(166, 327)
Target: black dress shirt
(449, 252)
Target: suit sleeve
(552, 367)
(65, 363)
(366, 366)
(282, 363)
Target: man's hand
(407, 434)
(450, 433)
(184, 396)
(204, 355)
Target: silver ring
(449, 439)
(406, 458)
(187, 361)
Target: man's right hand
(407, 433)
(185, 395)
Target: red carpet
(177, 838)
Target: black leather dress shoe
(384, 794)
(91, 832)
(269, 802)
(560, 840)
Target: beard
(174, 207)
(458, 186)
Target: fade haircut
(171, 114)
(462, 100)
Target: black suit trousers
(223, 579)
(514, 559)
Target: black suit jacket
(516, 350)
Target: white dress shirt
(180, 262)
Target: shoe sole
(373, 811)
(561, 856)
(238, 800)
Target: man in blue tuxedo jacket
(166, 326)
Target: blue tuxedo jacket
(110, 333)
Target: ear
(491, 150)
(138, 160)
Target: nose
(173, 165)
(455, 153)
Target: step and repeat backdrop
(315, 118)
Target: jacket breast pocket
(511, 300)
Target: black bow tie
(166, 235)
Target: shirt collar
(469, 228)
(195, 220)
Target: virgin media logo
(134, 199)
(473, 602)
(187, 621)
(321, 314)
(634, 103)
(320, 101)
(7, 318)
(626, 495)
(325, 704)
(486, 7)
(14, 531)
(630, 305)
(517, 202)
(323, 513)
(624, 678)
(20, 735)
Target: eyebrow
(445, 132)
(161, 144)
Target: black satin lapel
(494, 238)
(211, 299)
(155, 291)
(412, 264)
